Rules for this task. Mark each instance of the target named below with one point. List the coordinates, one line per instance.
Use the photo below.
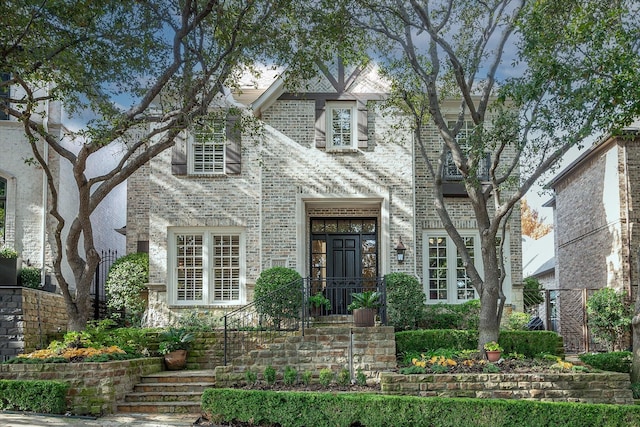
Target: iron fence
(98, 294)
(565, 311)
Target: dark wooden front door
(344, 268)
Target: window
(5, 92)
(451, 171)
(446, 278)
(207, 148)
(3, 207)
(341, 126)
(208, 266)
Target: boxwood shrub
(289, 409)
(617, 361)
(33, 395)
(529, 343)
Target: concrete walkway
(18, 419)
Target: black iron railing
(260, 322)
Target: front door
(344, 253)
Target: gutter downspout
(413, 196)
(628, 215)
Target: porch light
(400, 249)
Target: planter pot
(364, 317)
(493, 356)
(176, 360)
(8, 272)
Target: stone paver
(15, 419)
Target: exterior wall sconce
(400, 250)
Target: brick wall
(28, 319)
(608, 387)
(94, 387)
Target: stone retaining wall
(373, 350)
(28, 319)
(94, 387)
(608, 387)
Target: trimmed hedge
(529, 343)
(617, 361)
(34, 395)
(289, 409)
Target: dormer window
(341, 126)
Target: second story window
(5, 92)
(451, 171)
(207, 148)
(341, 126)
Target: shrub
(278, 294)
(609, 318)
(250, 377)
(344, 377)
(33, 395)
(405, 301)
(326, 377)
(270, 375)
(618, 361)
(532, 292)
(127, 277)
(361, 378)
(364, 409)
(30, 277)
(452, 316)
(306, 378)
(290, 376)
(518, 321)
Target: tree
(167, 61)
(532, 225)
(534, 78)
(609, 318)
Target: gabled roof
(599, 146)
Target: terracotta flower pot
(176, 360)
(493, 356)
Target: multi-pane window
(451, 171)
(3, 207)
(446, 277)
(208, 267)
(5, 91)
(341, 125)
(208, 148)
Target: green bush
(104, 333)
(127, 278)
(452, 316)
(618, 361)
(609, 318)
(529, 343)
(518, 321)
(270, 375)
(373, 410)
(405, 301)
(30, 277)
(37, 396)
(278, 295)
(532, 292)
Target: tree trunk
(635, 330)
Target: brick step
(146, 387)
(160, 408)
(160, 396)
(185, 376)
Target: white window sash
(336, 134)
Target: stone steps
(168, 392)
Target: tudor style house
(596, 243)
(330, 185)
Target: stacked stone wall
(608, 387)
(95, 388)
(29, 318)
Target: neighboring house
(331, 186)
(538, 261)
(24, 201)
(595, 220)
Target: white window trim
(452, 254)
(191, 141)
(329, 106)
(207, 241)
